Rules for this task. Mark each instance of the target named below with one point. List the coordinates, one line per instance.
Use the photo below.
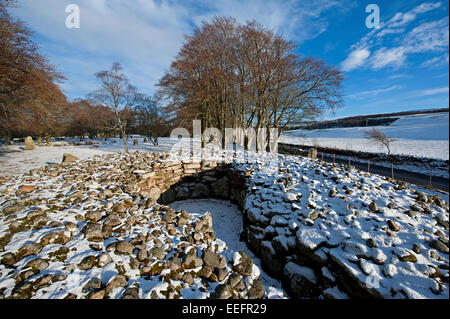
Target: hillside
(420, 135)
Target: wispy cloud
(436, 61)
(145, 35)
(355, 59)
(388, 57)
(376, 92)
(389, 51)
(434, 91)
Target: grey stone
(87, 262)
(131, 293)
(256, 291)
(58, 237)
(211, 259)
(245, 265)
(9, 259)
(393, 225)
(69, 158)
(223, 292)
(116, 282)
(37, 263)
(93, 283)
(112, 221)
(29, 249)
(440, 246)
(154, 193)
(93, 232)
(188, 278)
(373, 207)
(124, 247)
(93, 216)
(200, 191)
(192, 261)
(233, 279)
(142, 254)
(59, 277)
(168, 197)
(158, 253)
(174, 263)
(302, 280)
(183, 193)
(14, 208)
(221, 188)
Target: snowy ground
(227, 222)
(295, 202)
(437, 167)
(423, 135)
(14, 160)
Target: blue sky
(403, 65)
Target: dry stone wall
(299, 268)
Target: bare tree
(150, 120)
(246, 76)
(117, 93)
(378, 136)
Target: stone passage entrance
(198, 187)
(228, 225)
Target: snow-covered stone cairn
(102, 228)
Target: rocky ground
(82, 230)
(73, 231)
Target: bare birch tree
(117, 93)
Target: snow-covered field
(14, 160)
(423, 135)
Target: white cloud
(356, 59)
(284, 18)
(430, 36)
(434, 91)
(401, 19)
(375, 92)
(426, 37)
(436, 61)
(145, 35)
(388, 57)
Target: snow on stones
(96, 223)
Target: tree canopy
(246, 76)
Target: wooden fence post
(431, 174)
(392, 169)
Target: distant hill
(363, 120)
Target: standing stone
(29, 144)
(312, 153)
(68, 158)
